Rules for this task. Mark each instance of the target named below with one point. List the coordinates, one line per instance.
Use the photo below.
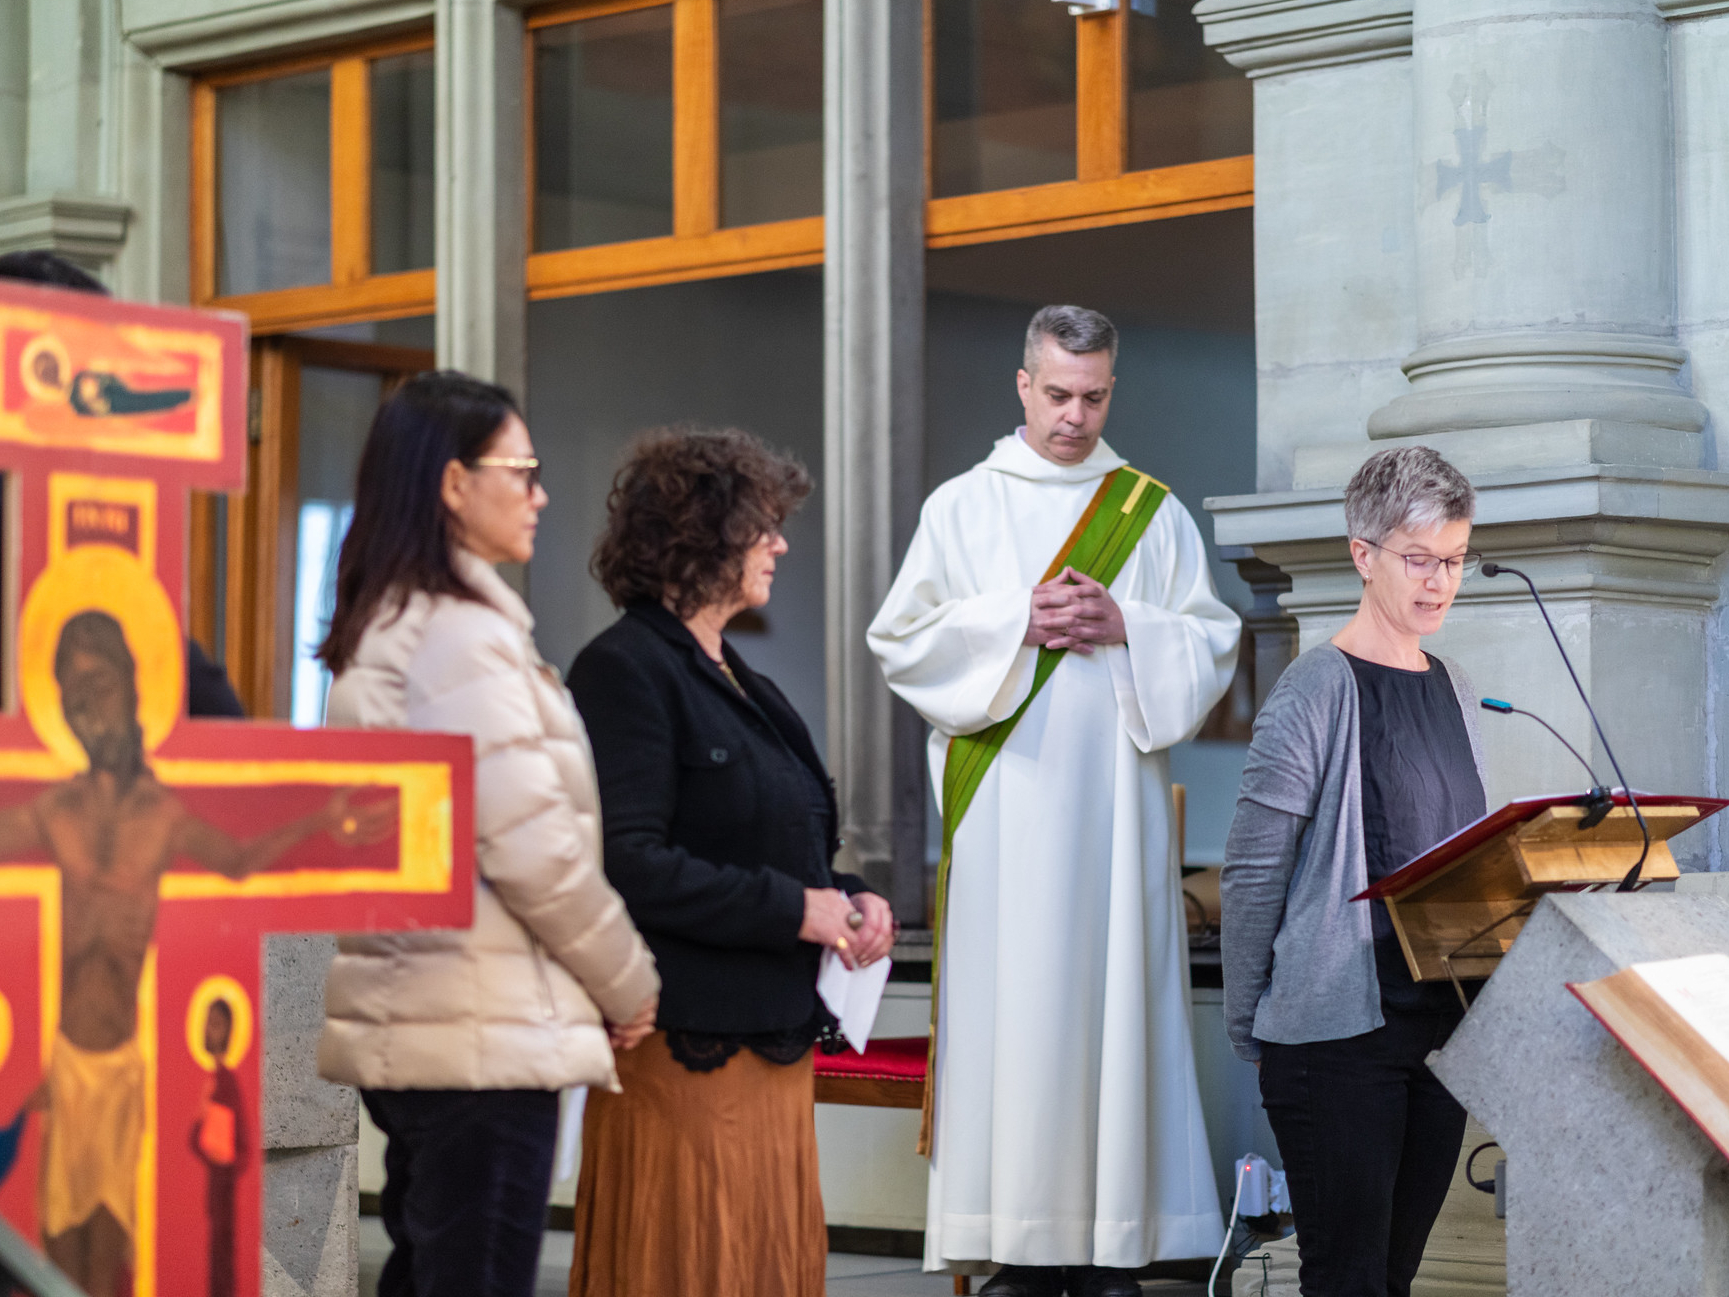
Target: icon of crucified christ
(113, 831)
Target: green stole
(1113, 524)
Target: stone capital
(183, 35)
(1606, 533)
(1266, 37)
(1694, 497)
(1673, 9)
(88, 230)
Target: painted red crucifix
(143, 856)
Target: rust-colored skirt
(700, 1183)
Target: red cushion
(901, 1059)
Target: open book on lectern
(1672, 1016)
(1459, 905)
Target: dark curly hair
(683, 511)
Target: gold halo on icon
(100, 578)
(45, 367)
(210, 990)
(5, 1030)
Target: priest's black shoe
(1027, 1281)
(1102, 1281)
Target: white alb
(1068, 1118)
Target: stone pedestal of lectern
(1611, 1189)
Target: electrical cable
(1236, 1201)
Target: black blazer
(710, 836)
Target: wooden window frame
(262, 532)
(1103, 192)
(699, 246)
(354, 293)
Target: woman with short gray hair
(1365, 755)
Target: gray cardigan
(1299, 958)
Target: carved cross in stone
(144, 856)
(1514, 171)
(1472, 173)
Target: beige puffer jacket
(510, 1003)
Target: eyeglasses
(528, 466)
(1420, 567)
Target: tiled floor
(848, 1275)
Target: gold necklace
(727, 672)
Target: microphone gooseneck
(1597, 800)
(1507, 709)
(1626, 884)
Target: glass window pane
(336, 408)
(273, 183)
(1004, 95)
(1186, 103)
(593, 385)
(402, 163)
(770, 110)
(603, 130)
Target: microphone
(1598, 801)
(1631, 880)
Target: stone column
(873, 449)
(14, 97)
(1545, 227)
(1698, 53)
(310, 1134)
(482, 250)
(153, 176)
(57, 172)
(67, 81)
(1266, 624)
(1545, 253)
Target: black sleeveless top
(1420, 786)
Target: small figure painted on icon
(219, 1134)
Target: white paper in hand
(569, 1133)
(853, 995)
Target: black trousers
(466, 1177)
(1370, 1139)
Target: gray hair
(1073, 328)
(1410, 488)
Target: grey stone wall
(309, 1134)
(1333, 164)
(14, 95)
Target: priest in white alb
(1056, 624)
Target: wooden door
(242, 559)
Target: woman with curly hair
(701, 1176)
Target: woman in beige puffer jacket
(460, 1040)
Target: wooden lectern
(1458, 906)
